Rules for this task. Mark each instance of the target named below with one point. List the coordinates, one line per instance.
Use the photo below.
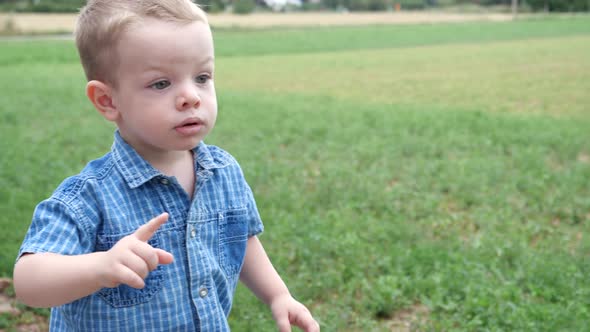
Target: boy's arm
(48, 280)
(262, 279)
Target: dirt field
(64, 23)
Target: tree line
(247, 6)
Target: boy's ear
(100, 95)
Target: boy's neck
(179, 164)
(171, 163)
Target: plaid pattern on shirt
(207, 235)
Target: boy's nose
(188, 98)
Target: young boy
(89, 253)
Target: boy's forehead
(150, 29)
(159, 40)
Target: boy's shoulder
(89, 177)
(212, 156)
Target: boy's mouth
(189, 126)
(190, 122)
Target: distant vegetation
(246, 6)
(42, 6)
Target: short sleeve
(255, 225)
(56, 228)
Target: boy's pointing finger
(146, 231)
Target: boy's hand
(287, 311)
(132, 258)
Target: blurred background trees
(248, 6)
(42, 6)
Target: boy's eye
(160, 85)
(202, 79)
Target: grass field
(424, 177)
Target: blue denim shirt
(207, 235)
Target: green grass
(442, 166)
(531, 75)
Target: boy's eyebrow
(208, 59)
(156, 66)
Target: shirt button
(203, 292)
(164, 181)
(193, 232)
(220, 216)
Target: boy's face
(165, 94)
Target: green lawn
(434, 169)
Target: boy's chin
(188, 146)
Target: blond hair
(101, 23)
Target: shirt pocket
(123, 295)
(233, 236)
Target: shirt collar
(136, 171)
